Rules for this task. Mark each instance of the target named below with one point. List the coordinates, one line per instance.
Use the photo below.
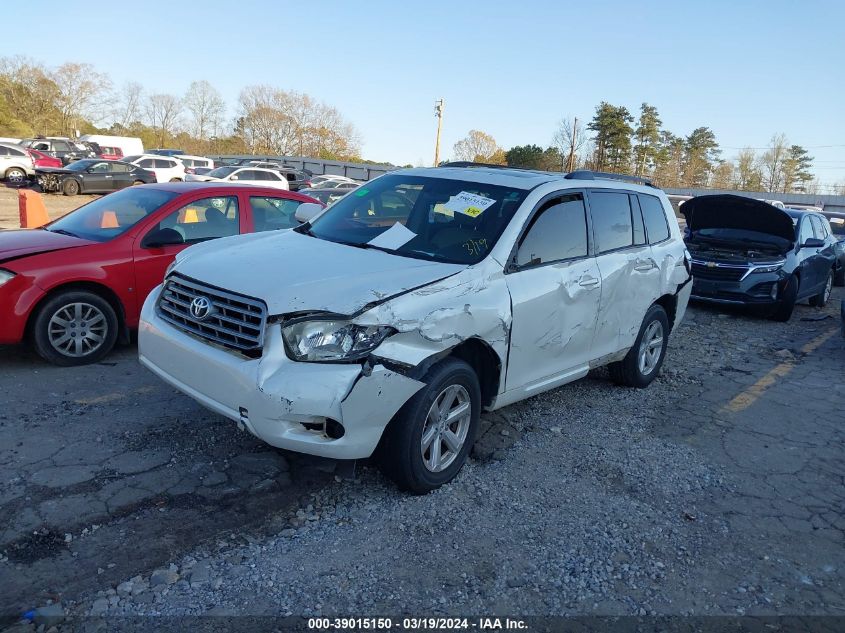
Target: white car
(416, 302)
(165, 168)
(192, 162)
(15, 164)
(247, 175)
(328, 181)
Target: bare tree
(773, 162)
(274, 121)
(163, 111)
(748, 176)
(128, 104)
(477, 146)
(206, 108)
(83, 94)
(569, 140)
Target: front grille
(233, 321)
(721, 272)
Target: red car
(111, 153)
(76, 285)
(43, 160)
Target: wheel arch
(91, 286)
(669, 303)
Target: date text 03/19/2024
(417, 624)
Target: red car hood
(23, 242)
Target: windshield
(423, 217)
(221, 172)
(112, 215)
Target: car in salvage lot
(92, 175)
(836, 221)
(749, 252)
(416, 301)
(75, 286)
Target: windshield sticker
(362, 192)
(393, 238)
(469, 204)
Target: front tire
(428, 441)
(70, 187)
(74, 328)
(783, 311)
(820, 300)
(643, 361)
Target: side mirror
(162, 237)
(307, 211)
(813, 242)
(233, 177)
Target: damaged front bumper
(332, 410)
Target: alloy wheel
(446, 428)
(651, 347)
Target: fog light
(774, 292)
(334, 429)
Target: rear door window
(612, 225)
(656, 227)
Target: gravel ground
(584, 500)
(590, 499)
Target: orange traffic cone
(32, 211)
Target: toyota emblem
(201, 308)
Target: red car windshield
(112, 215)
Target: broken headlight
(320, 341)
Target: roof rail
(469, 163)
(586, 174)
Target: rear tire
(643, 361)
(784, 308)
(820, 300)
(74, 328)
(446, 411)
(70, 187)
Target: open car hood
(727, 211)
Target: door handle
(643, 265)
(588, 282)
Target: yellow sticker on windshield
(473, 212)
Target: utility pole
(438, 112)
(572, 145)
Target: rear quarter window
(612, 226)
(654, 216)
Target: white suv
(386, 323)
(15, 164)
(165, 168)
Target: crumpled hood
(727, 211)
(53, 170)
(292, 272)
(23, 242)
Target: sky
(746, 69)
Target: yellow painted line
(748, 397)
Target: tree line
(39, 100)
(615, 140)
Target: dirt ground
(57, 206)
